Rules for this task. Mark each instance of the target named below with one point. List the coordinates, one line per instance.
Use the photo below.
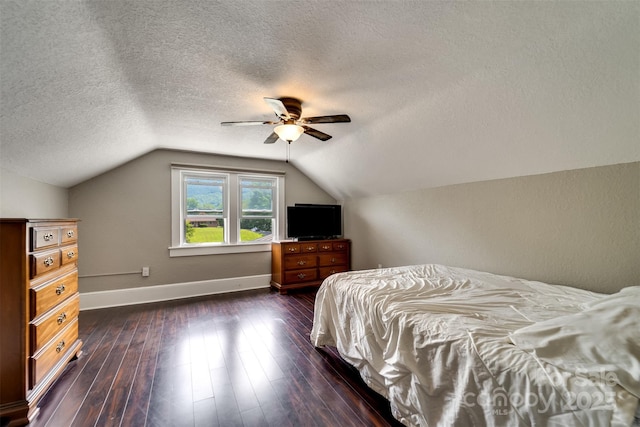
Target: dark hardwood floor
(241, 359)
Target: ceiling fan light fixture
(289, 132)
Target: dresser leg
(76, 356)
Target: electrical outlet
(379, 265)
(145, 271)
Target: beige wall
(22, 197)
(580, 228)
(126, 223)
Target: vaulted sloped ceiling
(439, 92)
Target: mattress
(456, 347)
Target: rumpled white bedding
(450, 347)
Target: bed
(456, 347)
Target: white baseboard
(131, 296)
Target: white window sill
(195, 250)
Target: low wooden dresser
(39, 303)
(304, 264)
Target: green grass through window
(216, 235)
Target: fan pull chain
(288, 148)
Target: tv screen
(307, 222)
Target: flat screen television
(314, 222)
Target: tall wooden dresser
(39, 304)
(303, 264)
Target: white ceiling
(438, 92)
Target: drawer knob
(48, 261)
(47, 237)
(292, 249)
(62, 318)
(60, 289)
(70, 233)
(60, 346)
(302, 262)
(326, 247)
(333, 260)
(71, 254)
(301, 276)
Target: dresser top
(38, 219)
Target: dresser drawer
(50, 294)
(290, 248)
(48, 326)
(68, 254)
(308, 247)
(46, 358)
(328, 271)
(68, 234)
(44, 237)
(325, 247)
(301, 275)
(339, 246)
(335, 258)
(44, 262)
(300, 261)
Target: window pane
(204, 196)
(204, 216)
(256, 230)
(257, 197)
(203, 232)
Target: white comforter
(449, 346)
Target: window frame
(232, 210)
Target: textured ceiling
(439, 92)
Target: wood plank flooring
(241, 359)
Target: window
(203, 208)
(257, 220)
(225, 211)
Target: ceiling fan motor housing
(293, 106)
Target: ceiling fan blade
(247, 123)
(271, 138)
(278, 107)
(338, 118)
(316, 133)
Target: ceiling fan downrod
(288, 148)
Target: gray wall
(126, 223)
(22, 197)
(580, 228)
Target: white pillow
(604, 339)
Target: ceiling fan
(290, 124)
